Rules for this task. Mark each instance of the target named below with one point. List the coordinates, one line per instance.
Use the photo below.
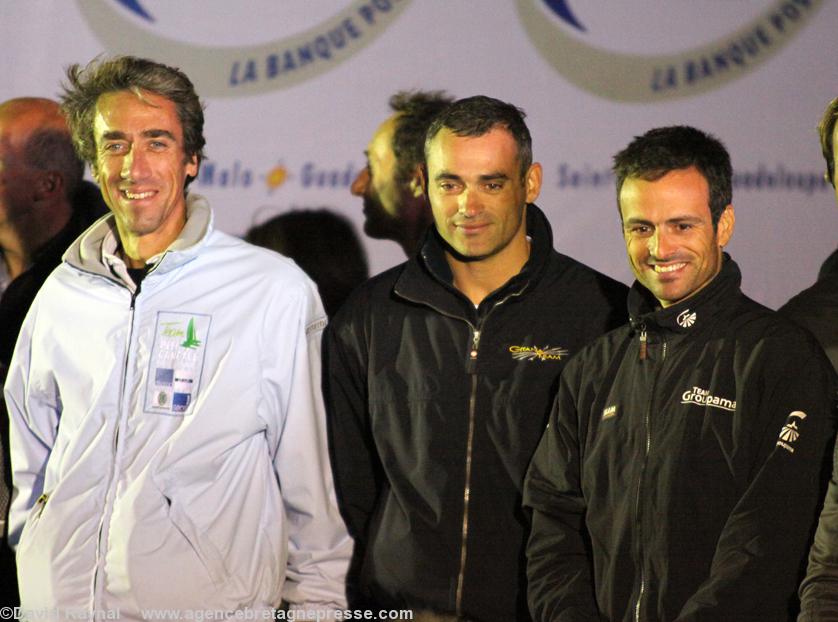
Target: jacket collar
(692, 313)
(427, 278)
(96, 250)
(829, 269)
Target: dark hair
(129, 73)
(52, 150)
(324, 244)
(665, 149)
(416, 110)
(826, 128)
(478, 115)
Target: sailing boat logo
(190, 342)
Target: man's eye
(494, 186)
(114, 147)
(157, 144)
(447, 186)
(684, 226)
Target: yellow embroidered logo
(532, 353)
(609, 412)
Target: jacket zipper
(109, 494)
(472, 402)
(472, 409)
(648, 425)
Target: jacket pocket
(33, 520)
(206, 551)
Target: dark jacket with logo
(816, 308)
(435, 409)
(679, 476)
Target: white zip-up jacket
(168, 444)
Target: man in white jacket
(168, 436)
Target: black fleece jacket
(435, 408)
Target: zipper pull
(471, 358)
(42, 501)
(643, 343)
(474, 341)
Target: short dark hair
(128, 73)
(416, 110)
(478, 115)
(665, 149)
(826, 129)
(52, 150)
(324, 244)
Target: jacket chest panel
(672, 421)
(110, 371)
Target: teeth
(140, 195)
(670, 268)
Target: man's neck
(479, 278)
(136, 250)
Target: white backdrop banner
(295, 89)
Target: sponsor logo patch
(177, 361)
(700, 396)
(686, 318)
(791, 431)
(609, 412)
(534, 353)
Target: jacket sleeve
(819, 590)
(34, 411)
(559, 564)
(319, 547)
(357, 470)
(761, 551)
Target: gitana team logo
(653, 50)
(241, 49)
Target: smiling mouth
(471, 226)
(668, 268)
(135, 196)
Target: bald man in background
(44, 205)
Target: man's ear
(725, 226)
(533, 182)
(49, 184)
(418, 184)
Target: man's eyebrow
(113, 135)
(636, 221)
(498, 176)
(446, 175)
(155, 133)
(678, 219)
(158, 134)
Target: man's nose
(133, 165)
(660, 244)
(362, 180)
(468, 203)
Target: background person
(324, 244)
(44, 205)
(816, 308)
(395, 205)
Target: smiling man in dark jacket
(441, 372)
(679, 476)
